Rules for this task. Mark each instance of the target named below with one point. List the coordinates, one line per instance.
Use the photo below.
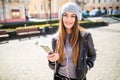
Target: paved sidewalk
(26, 60)
(107, 43)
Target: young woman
(73, 49)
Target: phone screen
(46, 48)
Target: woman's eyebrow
(73, 15)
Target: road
(26, 60)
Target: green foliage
(24, 24)
(115, 15)
(13, 26)
(90, 24)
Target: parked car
(85, 14)
(115, 12)
(95, 13)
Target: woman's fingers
(53, 57)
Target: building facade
(41, 8)
(13, 10)
(44, 8)
(101, 4)
(21, 10)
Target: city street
(26, 60)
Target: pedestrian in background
(110, 11)
(104, 11)
(73, 49)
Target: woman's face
(68, 19)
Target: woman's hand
(53, 57)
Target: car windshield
(94, 11)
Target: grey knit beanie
(71, 7)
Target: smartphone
(46, 48)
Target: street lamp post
(3, 5)
(50, 12)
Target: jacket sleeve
(91, 55)
(52, 64)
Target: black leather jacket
(87, 56)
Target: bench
(3, 36)
(27, 32)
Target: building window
(15, 13)
(98, 1)
(104, 1)
(110, 0)
(9, 0)
(35, 7)
(41, 7)
(118, 0)
(17, 1)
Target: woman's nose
(69, 18)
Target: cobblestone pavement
(107, 44)
(26, 60)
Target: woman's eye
(73, 16)
(64, 15)
(69, 15)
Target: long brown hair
(73, 37)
